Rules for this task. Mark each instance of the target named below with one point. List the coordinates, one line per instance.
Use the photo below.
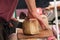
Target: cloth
(5, 29)
(7, 8)
(3, 32)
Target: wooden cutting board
(42, 34)
(33, 39)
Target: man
(7, 8)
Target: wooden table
(43, 34)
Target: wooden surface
(42, 34)
(33, 39)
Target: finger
(10, 24)
(14, 19)
(42, 25)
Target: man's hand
(37, 15)
(31, 4)
(12, 21)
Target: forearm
(31, 5)
(33, 11)
(31, 8)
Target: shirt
(7, 8)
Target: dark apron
(5, 30)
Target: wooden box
(31, 26)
